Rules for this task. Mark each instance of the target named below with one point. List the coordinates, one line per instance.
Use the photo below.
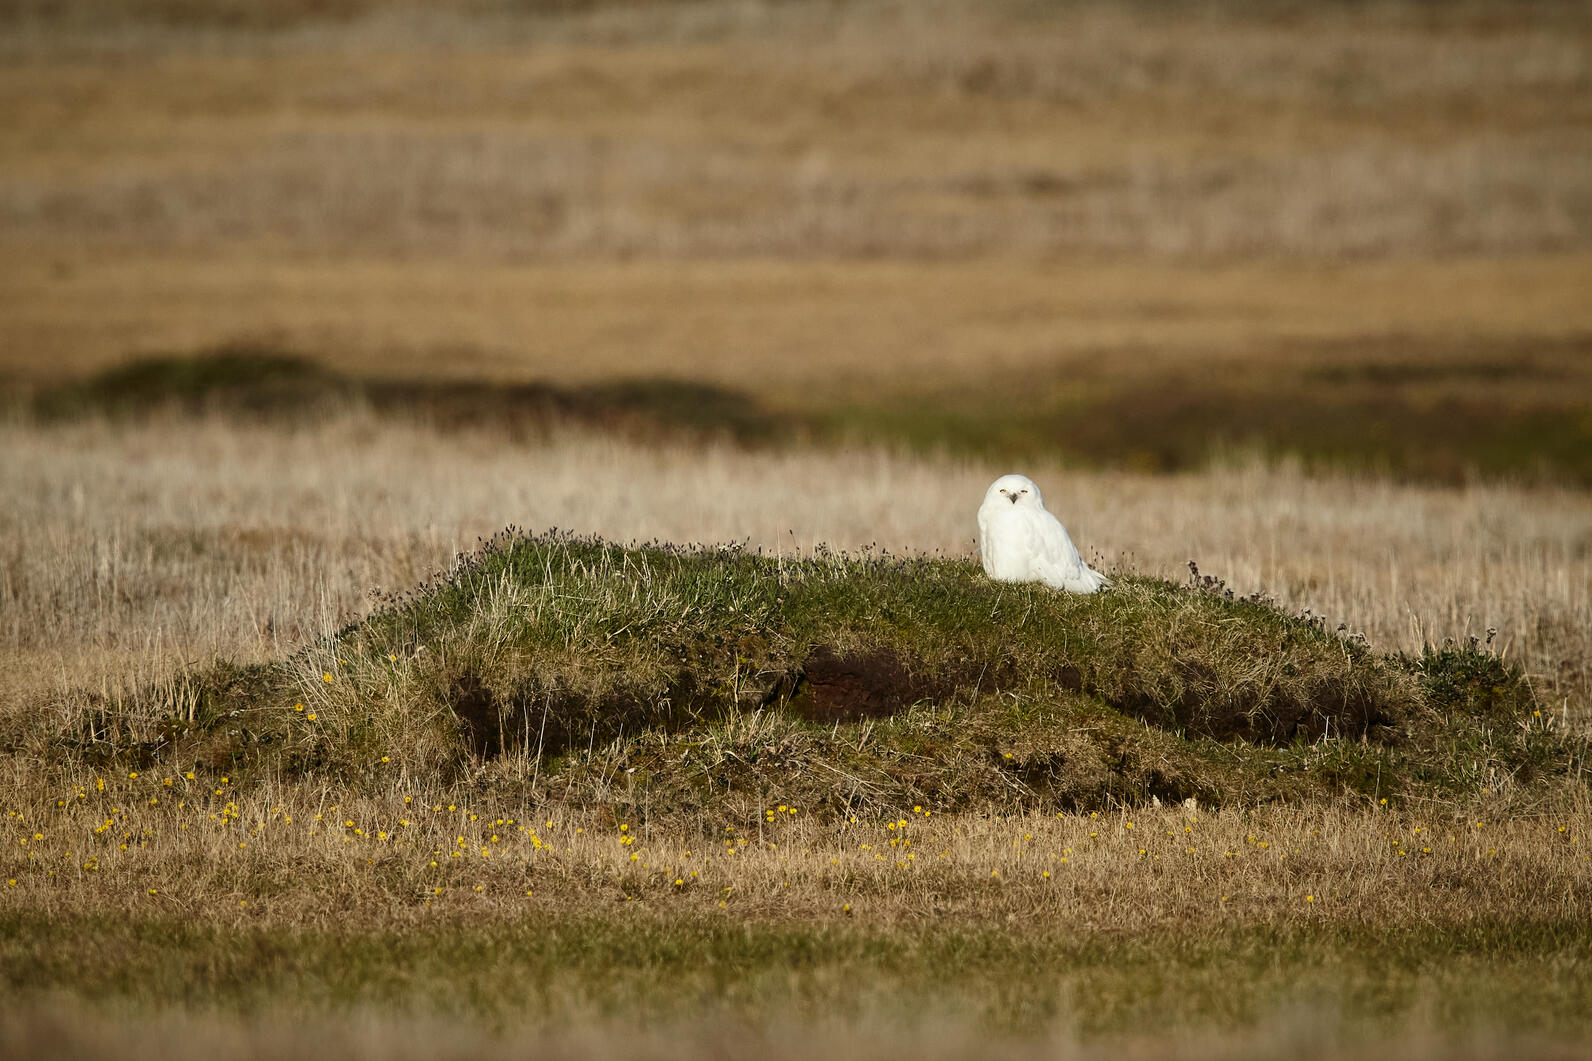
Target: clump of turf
(678, 679)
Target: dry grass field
(133, 549)
(811, 130)
(1360, 235)
(1295, 291)
(136, 551)
(1153, 918)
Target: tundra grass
(1171, 232)
(147, 895)
(571, 783)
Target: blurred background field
(1357, 233)
(300, 298)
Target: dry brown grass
(903, 130)
(133, 549)
(290, 875)
(808, 335)
(1049, 187)
(277, 854)
(818, 205)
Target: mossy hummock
(688, 679)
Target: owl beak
(1010, 497)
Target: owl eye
(1022, 491)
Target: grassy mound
(669, 679)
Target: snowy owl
(1021, 542)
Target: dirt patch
(482, 720)
(851, 686)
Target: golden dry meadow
(302, 302)
(138, 551)
(300, 856)
(1392, 922)
(1360, 234)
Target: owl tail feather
(1087, 580)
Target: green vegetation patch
(1412, 408)
(668, 679)
(509, 973)
(263, 382)
(1495, 413)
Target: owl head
(1017, 490)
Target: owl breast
(1009, 545)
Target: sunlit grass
(1356, 235)
(1204, 921)
(297, 853)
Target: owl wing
(986, 542)
(1056, 561)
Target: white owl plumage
(1022, 542)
